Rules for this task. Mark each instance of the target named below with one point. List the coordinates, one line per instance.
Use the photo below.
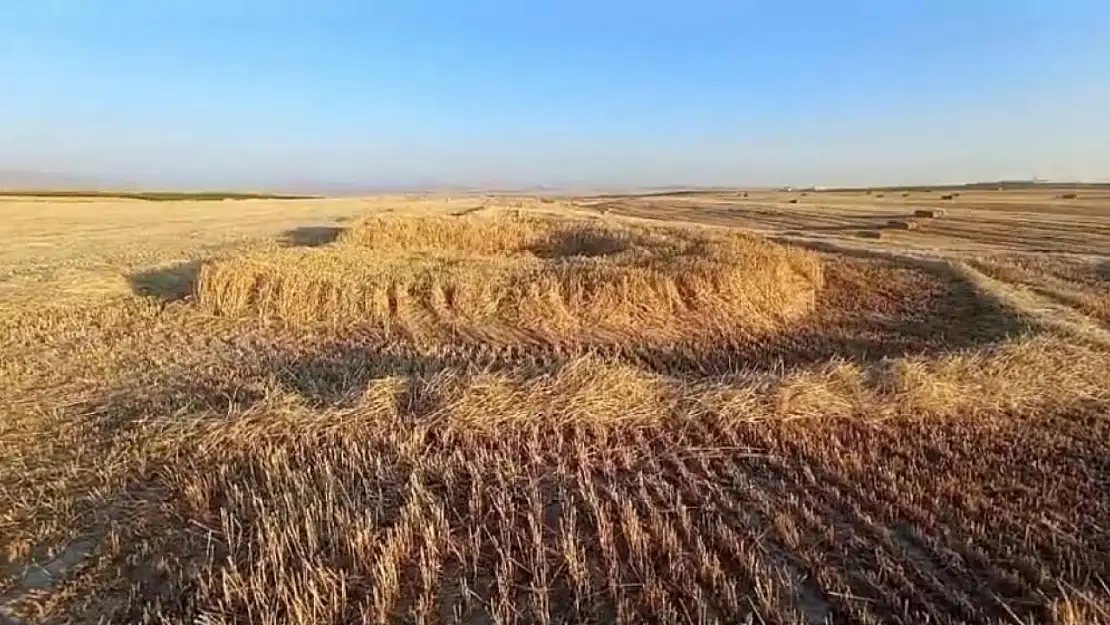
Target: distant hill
(40, 184)
(18, 180)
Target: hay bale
(901, 224)
(930, 213)
(554, 280)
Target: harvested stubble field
(339, 411)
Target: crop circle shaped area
(514, 278)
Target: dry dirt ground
(727, 407)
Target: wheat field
(696, 408)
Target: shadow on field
(870, 308)
(330, 375)
(580, 242)
(282, 481)
(311, 236)
(855, 324)
(337, 375)
(170, 283)
(1102, 270)
(258, 395)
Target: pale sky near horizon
(251, 93)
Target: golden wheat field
(721, 407)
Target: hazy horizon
(265, 95)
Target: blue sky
(251, 93)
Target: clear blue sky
(250, 93)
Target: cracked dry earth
(930, 445)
